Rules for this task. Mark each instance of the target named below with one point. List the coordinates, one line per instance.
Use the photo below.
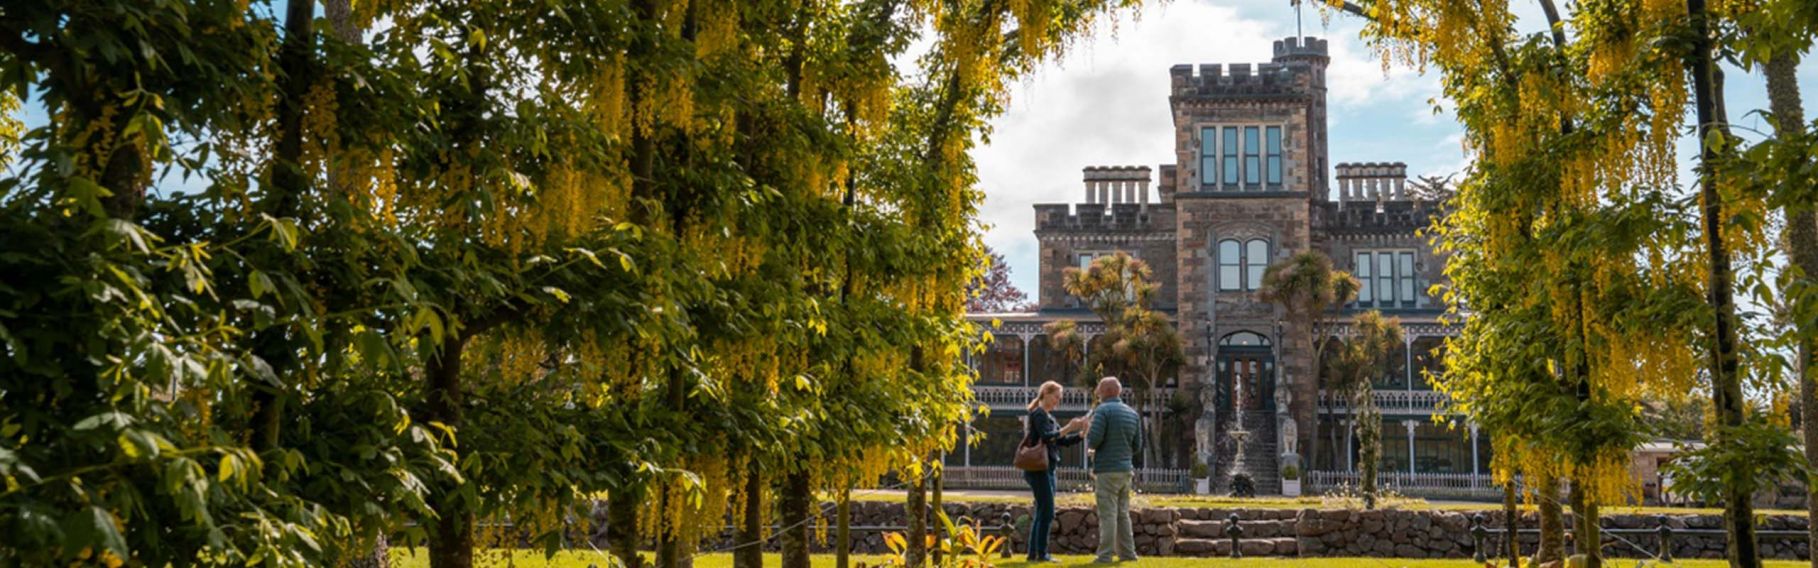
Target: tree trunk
(378, 557)
(1552, 524)
(1369, 444)
(1726, 382)
(936, 528)
(1511, 521)
(842, 551)
(451, 539)
(622, 525)
(794, 513)
(915, 511)
(1587, 536)
(668, 545)
(1801, 242)
(751, 527)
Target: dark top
(1042, 426)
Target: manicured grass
(583, 559)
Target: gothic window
(1230, 151)
(1274, 155)
(1252, 161)
(1386, 277)
(1208, 156)
(1241, 265)
(1230, 265)
(1240, 158)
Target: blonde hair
(1046, 388)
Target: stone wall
(1293, 533)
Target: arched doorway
(1245, 358)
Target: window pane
(1362, 266)
(1227, 277)
(1385, 278)
(1229, 253)
(1256, 260)
(1208, 162)
(1230, 152)
(1407, 278)
(1252, 153)
(1274, 154)
(1230, 256)
(1085, 261)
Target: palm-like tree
(1308, 288)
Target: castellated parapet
(1298, 69)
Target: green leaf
(93, 528)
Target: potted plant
(1202, 485)
(1290, 481)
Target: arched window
(1241, 265)
(1256, 260)
(1230, 265)
(1244, 339)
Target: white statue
(1290, 436)
(1205, 429)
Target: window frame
(1242, 156)
(1247, 269)
(1398, 289)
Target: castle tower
(1250, 144)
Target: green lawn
(583, 559)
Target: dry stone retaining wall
(1307, 532)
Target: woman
(1042, 429)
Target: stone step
(1283, 546)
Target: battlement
(1298, 69)
(1095, 217)
(1241, 80)
(1372, 181)
(1383, 217)
(1301, 47)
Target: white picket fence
(1150, 480)
(1451, 485)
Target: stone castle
(1249, 185)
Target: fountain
(1240, 482)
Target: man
(1113, 438)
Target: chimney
(1111, 185)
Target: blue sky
(1106, 103)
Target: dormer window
(1240, 158)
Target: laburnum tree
(448, 262)
(1582, 281)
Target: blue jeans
(1042, 482)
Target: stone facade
(1249, 185)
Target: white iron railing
(1072, 399)
(1151, 480)
(1413, 484)
(1388, 401)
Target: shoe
(1130, 559)
(1101, 561)
(1050, 559)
